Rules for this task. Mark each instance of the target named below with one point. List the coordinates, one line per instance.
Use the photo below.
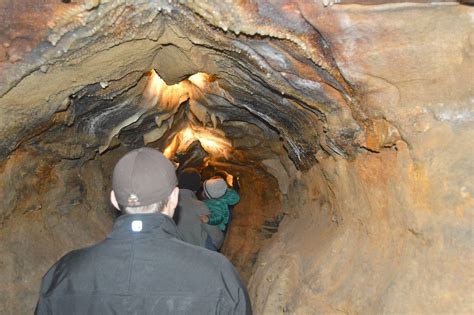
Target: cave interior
(347, 125)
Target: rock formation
(348, 123)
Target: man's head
(144, 181)
(190, 179)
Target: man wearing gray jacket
(143, 267)
(190, 209)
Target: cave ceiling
(78, 73)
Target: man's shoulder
(77, 256)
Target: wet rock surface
(351, 118)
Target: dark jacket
(146, 272)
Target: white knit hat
(215, 188)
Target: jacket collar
(142, 225)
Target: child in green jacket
(218, 198)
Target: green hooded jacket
(219, 208)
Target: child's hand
(204, 218)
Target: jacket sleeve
(237, 291)
(216, 217)
(243, 304)
(43, 306)
(232, 197)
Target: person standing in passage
(190, 209)
(143, 267)
(218, 197)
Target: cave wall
(391, 230)
(367, 236)
(54, 206)
(373, 105)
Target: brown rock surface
(371, 243)
(405, 243)
(255, 219)
(354, 119)
(53, 206)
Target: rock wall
(368, 237)
(255, 219)
(391, 230)
(54, 206)
(373, 104)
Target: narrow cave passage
(255, 218)
(348, 124)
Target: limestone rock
(361, 110)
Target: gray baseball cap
(143, 177)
